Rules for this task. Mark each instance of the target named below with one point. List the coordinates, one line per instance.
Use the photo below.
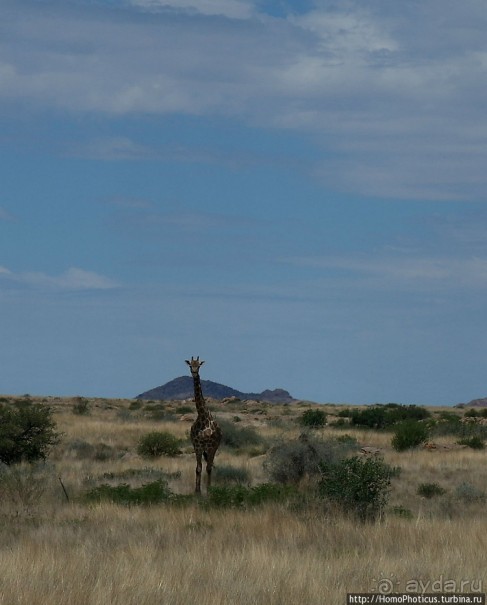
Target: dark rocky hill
(182, 388)
(475, 403)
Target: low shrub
(469, 493)
(82, 450)
(409, 434)
(475, 442)
(228, 475)
(430, 490)
(27, 432)
(185, 409)
(382, 416)
(448, 423)
(156, 444)
(103, 452)
(237, 496)
(339, 423)
(347, 440)
(401, 511)
(313, 418)
(81, 407)
(237, 437)
(149, 493)
(291, 461)
(159, 412)
(140, 474)
(359, 486)
(25, 484)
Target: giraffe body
(205, 432)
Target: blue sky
(294, 191)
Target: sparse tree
(27, 433)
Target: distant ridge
(475, 403)
(182, 388)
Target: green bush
(291, 461)
(373, 417)
(448, 423)
(313, 418)
(86, 451)
(382, 416)
(401, 511)
(228, 475)
(430, 490)
(347, 440)
(409, 434)
(149, 493)
(147, 472)
(475, 442)
(237, 496)
(360, 486)
(185, 409)
(339, 423)
(81, 407)
(156, 444)
(27, 433)
(237, 437)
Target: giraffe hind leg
(199, 467)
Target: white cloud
(347, 33)
(394, 96)
(72, 279)
(234, 9)
(428, 271)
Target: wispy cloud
(72, 279)
(126, 148)
(113, 148)
(395, 96)
(417, 271)
(148, 223)
(234, 9)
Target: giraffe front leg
(209, 467)
(199, 467)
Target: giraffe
(205, 432)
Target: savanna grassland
(62, 548)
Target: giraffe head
(194, 365)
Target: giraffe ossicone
(205, 432)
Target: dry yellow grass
(110, 554)
(64, 553)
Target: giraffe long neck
(198, 397)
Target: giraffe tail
(205, 456)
